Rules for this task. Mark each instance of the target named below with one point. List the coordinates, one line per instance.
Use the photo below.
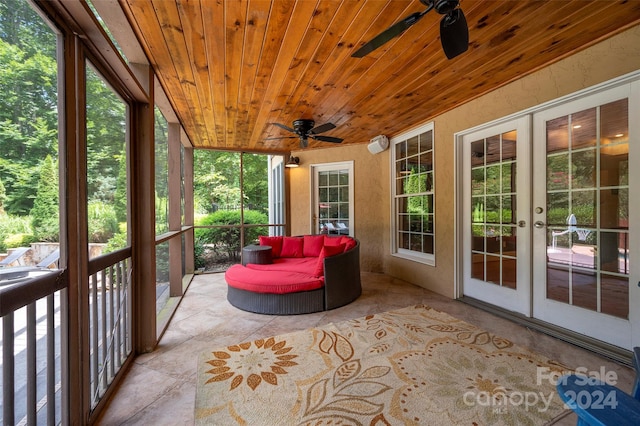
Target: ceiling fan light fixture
(293, 162)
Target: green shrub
(103, 224)
(199, 254)
(15, 225)
(162, 263)
(19, 240)
(116, 242)
(228, 239)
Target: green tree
(217, 181)
(22, 26)
(28, 101)
(106, 116)
(416, 184)
(3, 197)
(120, 202)
(45, 213)
(256, 190)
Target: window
(413, 195)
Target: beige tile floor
(159, 389)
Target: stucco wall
(611, 58)
(371, 198)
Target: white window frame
(426, 258)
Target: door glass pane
(333, 202)
(558, 282)
(493, 210)
(587, 209)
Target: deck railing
(110, 319)
(33, 314)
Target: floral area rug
(409, 366)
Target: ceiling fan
(454, 32)
(304, 130)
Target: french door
(332, 189)
(496, 205)
(585, 270)
(551, 215)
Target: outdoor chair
(15, 255)
(601, 404)
(53, 257)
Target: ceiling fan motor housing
(442, 6)
(303, 126)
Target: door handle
(539, 224)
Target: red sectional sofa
(309, 273)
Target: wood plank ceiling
(231, 68)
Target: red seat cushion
(292, 247)
(275, 282)
(312, 245)
(304, 265)
(274, 242)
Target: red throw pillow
(274, 242)
(292, 247)
(332, 241)
(327, 251)
(313, 245)
(348, 242)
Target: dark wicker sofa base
(302, 302)
(341, 287)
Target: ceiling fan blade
(327, 139)
(454, 33)
(322, 128)
(282, 126)
(391, 32)
(281, 137)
